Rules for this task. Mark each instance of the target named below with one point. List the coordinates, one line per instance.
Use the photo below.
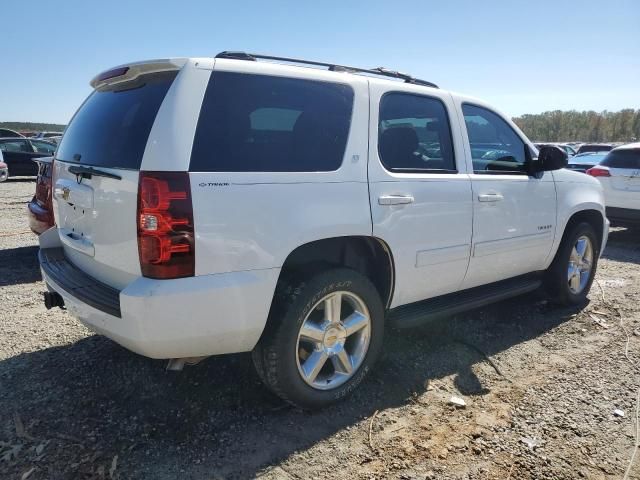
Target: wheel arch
(368, 255)
(591, 214)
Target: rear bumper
(623, 215)
(186, 317)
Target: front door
(514, 213)
(420, 192)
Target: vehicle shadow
(19, 265)
(20, 179)
(92, 399)
(623, 245)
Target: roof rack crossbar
(330, 66)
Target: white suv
(231, 204)
(619, 174)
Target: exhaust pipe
(53, 299)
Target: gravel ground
(540, 384)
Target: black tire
(275, 355)
(556, 278)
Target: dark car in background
(594, 147)
(7, 132)
(19, 153)
(584, 161)
(41, 205)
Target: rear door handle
(490, 197)
(395, 199)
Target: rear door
(420, 192)
(622, 188)
(96, 171)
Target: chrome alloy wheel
(333, 340)
(580, 265)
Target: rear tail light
(598, 172)
(165, 225)
(44, 194)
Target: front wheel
(571, 274)
(322, 338)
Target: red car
(41, 206)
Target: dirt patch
(540, 384)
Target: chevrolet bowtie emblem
(65, 193)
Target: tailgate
(96, 172)
(96, 219)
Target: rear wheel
(4, 173)
(322, 338)
(571, 274)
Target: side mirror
(551, 158)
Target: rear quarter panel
(254, 220)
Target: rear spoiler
(131, 71)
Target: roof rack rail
(330, 66)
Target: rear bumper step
(77, 283)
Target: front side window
(260, 123)
(414, 134)
(495, 146)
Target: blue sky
(523, 57)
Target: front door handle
(490, 197)
(395, 199)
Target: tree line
(32, 127)
(559, 126)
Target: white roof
(629, 146)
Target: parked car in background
(594, 147)
(321, 203)
(43, 135)
(8, 133)
(4, 171)
(54, 137)
(619, 174)
(570, 151)
(584, 161)
(40, 207)
(19, 154)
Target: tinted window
(623, 159)
(111, 128)
(258, 123)
(15, 146)
(414, 134)
(43, 147)
(495, 146)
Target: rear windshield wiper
(88, 172)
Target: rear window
(594, 148)
(112, 126)
(260, 123)
(623, 159)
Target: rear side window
(414, 134)
(111, 128)
(259, 123)
(622, 159)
